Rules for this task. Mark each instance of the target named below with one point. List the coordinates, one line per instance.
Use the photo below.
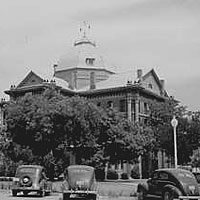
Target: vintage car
(31, 178)
(79, 183)
(169, 184)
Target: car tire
(42, 193)
(14, 193)
(92, 197)
(142, 194)
(169, 195)
(25, 193)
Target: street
(106, 190)
(54, 196)
(8, 196)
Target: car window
(26, 170)
(155, 175)
(163, 176)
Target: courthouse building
(82, 71)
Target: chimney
(139, 74)
(92, 81)
(162, 82)
(54, 68)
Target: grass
(111, 189)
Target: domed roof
(83, 54)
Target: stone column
(140, 166)
(129, 101)
(137, 101)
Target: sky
(131, 34)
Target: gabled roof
(31, 79)
(153, 73)
(33, 82)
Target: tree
(41, 129)
(121, 139)
(160, 122)
(44, 129)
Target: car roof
(173, 170)
(80, 166)
(31, 166)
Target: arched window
(110, 104)
(150, 86)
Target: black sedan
(31, 178)
(169, 184)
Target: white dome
(69, 59)
(82, 54)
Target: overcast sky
(159, 34)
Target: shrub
(112, 174)
(135, 172)
(124, 176)
(100, 174)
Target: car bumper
(78, 194)
(188, 197)
(26, 188)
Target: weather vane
(84, 30)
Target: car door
(163, 180)
(153, 183)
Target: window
(163, 176)
(122, 106)
(155, 175)
(110, 104)
(146, 108)
(150, 86)
(89, 61)
(98, 104)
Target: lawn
(111, 189)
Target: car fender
(172, 188)
(142, 186)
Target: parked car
(169, 184)
(79, 182)
(31, 178)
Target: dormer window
(150, 86)
(89, 61)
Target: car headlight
(15, 179)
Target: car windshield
(26, 170)
(80, 173)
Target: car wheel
(141, 194)
(169, 195)
(14, 193)
(42, 193)
(92, 197)
(66, 196)
(25, 193)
